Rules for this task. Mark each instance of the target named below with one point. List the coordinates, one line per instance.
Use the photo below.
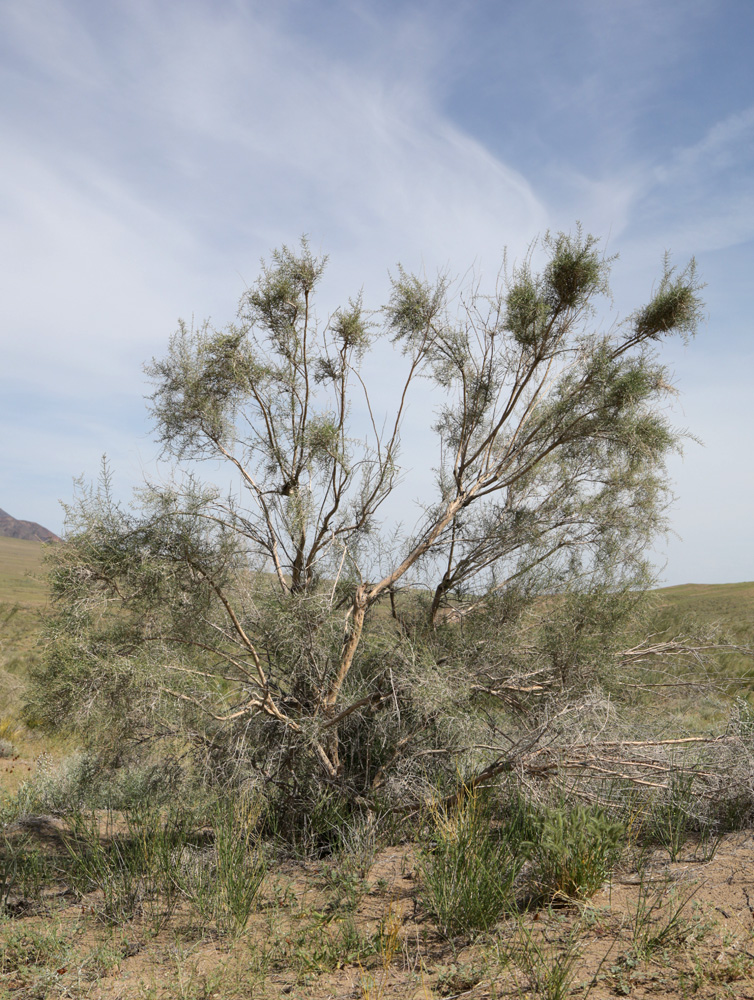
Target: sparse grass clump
(542, 967)
(223, 879)
(144, 861)
(671, 817)
(658, 919)
(128, 861)
(469, 870)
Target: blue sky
(152, 152)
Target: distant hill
(29, 531)
(728, 604)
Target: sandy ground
(671, 930)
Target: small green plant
(574, 853)
(707, 843)
(9, 732)
(240, 864)
(469, 871)
(223, 881)
(323, 942)
(348, 887)
(460, 977)
(658, 921)
(731, 968)
(671, 817)
(387, 943)
(102, 958)
(23, 870)
(33, 958)
(548, 970)
(9, 809)
(10, 854)
(358, 846)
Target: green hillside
(22, 572)
(731, 605)
(709, 594)
(23, 594)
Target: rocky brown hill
(11, 527)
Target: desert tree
(284, 625)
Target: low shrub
(82, 782)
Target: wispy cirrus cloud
(154, 154)
(702, 197)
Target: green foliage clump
(469, 872)
(574, 852)
(575, 272)
(479, 860)
(673, 307)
